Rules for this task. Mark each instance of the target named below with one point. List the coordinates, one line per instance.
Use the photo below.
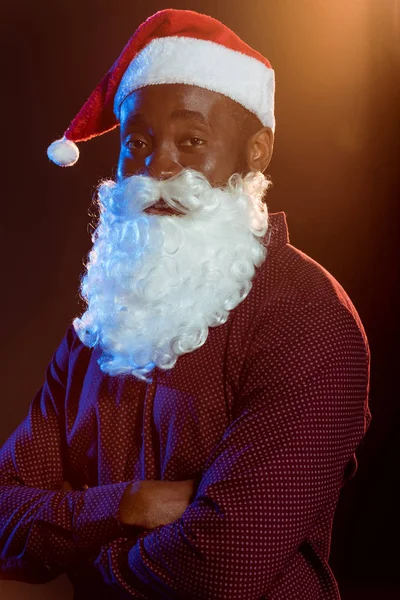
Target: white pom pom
(63, 152)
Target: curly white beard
(154, 284)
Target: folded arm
(43, 530)
(300, 417)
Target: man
(198, 421)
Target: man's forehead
(133, 117)
(176, 101)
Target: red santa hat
(173, 46)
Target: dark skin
(164, 129)
(160, 135)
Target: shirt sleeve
(301, 413)
(44, 530)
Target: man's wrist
(97, 515)
(132, 507)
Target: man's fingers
(67, 487)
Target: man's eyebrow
(135, 118)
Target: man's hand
(148, 504)
(67, 487)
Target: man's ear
(259, 149)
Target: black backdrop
(336, 175)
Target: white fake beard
(154, 284)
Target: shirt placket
(150, 444)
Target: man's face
(155, 283)
(165, 128)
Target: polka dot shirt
(266, 416)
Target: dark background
(336, 175)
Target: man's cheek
(219, 164)
(126, 165)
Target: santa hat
(173, 46)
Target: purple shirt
(266, 415)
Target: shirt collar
(277, 234)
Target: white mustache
(134, 194)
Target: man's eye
(193, 141)
(135, 144)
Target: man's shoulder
(299, 280)
(70, 350)
(306, 322)
(294, 292)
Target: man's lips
(160, 208)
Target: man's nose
(162, 165)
